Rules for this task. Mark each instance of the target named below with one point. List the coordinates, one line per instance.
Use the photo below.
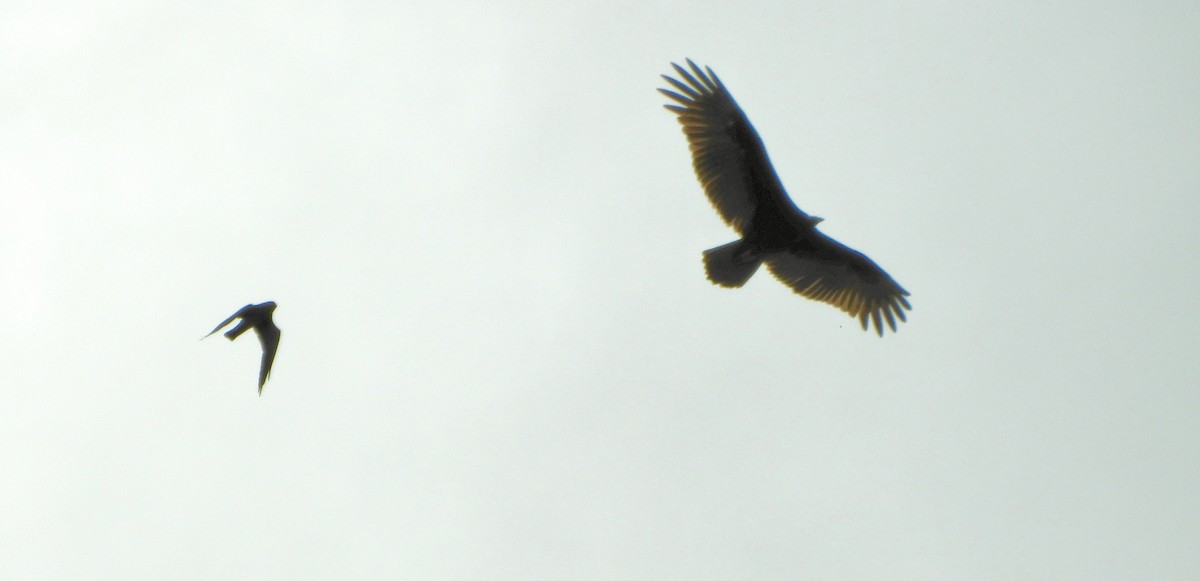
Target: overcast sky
(501, 358)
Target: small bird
(259, 318)
(736, 174)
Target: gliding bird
(736, 174)
(259, 318)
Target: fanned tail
(729, 265)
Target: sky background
(501, 358)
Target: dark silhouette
(732, 166)
(259, 318)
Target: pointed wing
(727, 153)
(268, 335)
(822, 269)
(239, 314)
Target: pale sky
(501, 358)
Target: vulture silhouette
(732, 166)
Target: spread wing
(822, 269)
(241, 312)
(727, 153)
(268, 335)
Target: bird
(732, 166)
(258, 317)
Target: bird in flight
(736, 174)
(259, 318)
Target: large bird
(732, 166)
(257, 317)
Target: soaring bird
(259, 318)
(732, 166)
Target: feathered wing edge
(857, 286)
(708, 115)
(703, 84)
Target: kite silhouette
(736, 174)
(259, 318)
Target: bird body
(258, 317)
(732, 166)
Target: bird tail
(237, 331)
(729, 266)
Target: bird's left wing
(223, 323)
(824, 270)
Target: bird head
(814, 220)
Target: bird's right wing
(268, 335)
(727, 153)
